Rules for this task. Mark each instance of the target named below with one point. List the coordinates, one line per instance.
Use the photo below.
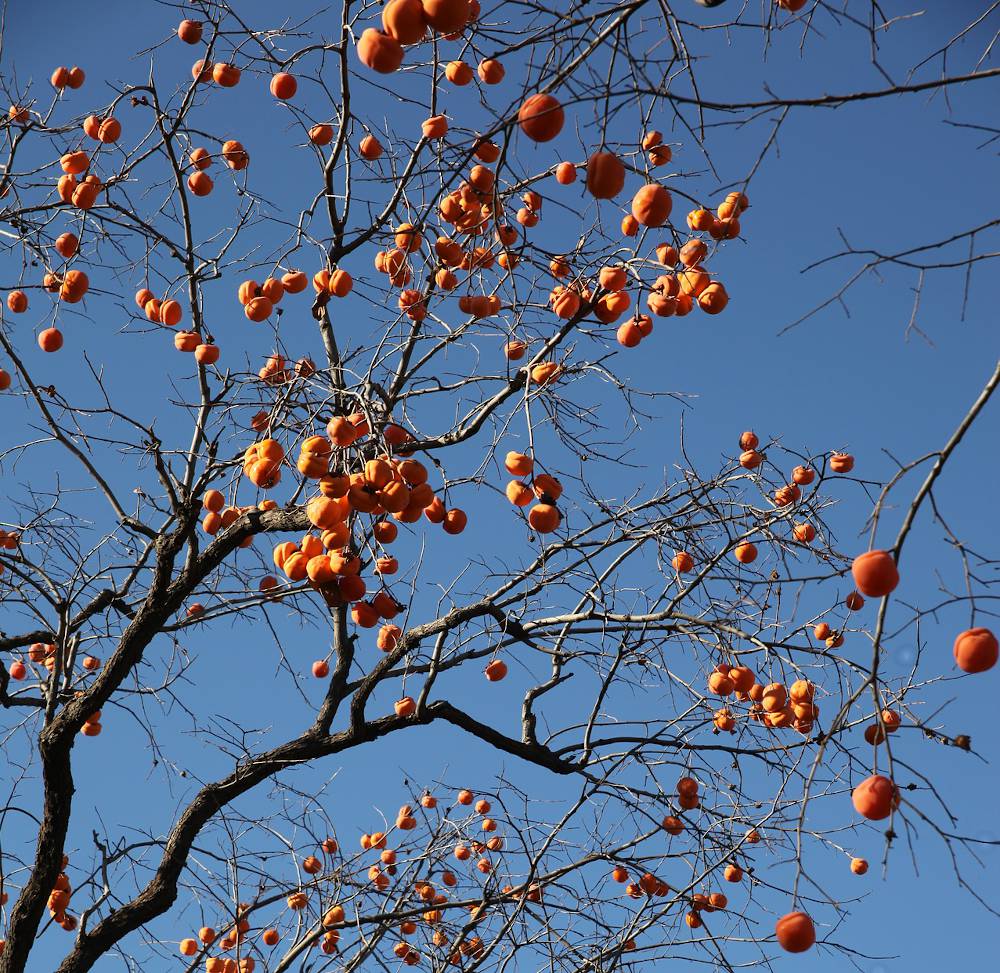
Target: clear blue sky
(888, 174)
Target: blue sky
(888, 174)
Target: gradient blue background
(889, 173)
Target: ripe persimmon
(565, 173)
(875, 573)
(795, 932)
(404, 21)
(976, 650)
(651, 205)
(875, 797)
(804, 533)
(544, 518)
(17, 302)
(605, 176)
(446, 16)
(370, 148)
(854, 601)
(496, 671)
(189, 31)
(50, 340)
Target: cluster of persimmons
(432, 913)
(483, 237)
(777, 706)
(362, 471)
(427, 905)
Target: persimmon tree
(361, 420)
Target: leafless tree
(656, 622)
